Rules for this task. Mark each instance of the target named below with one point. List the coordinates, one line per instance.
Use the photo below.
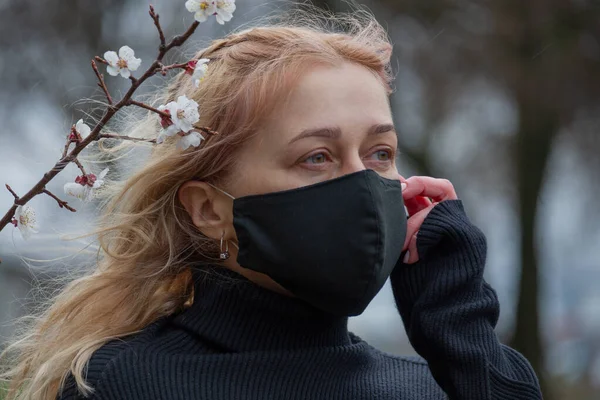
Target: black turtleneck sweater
(240, 341)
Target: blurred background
(502, 97)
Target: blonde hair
(146, 238)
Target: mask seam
(373, 273)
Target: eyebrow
(335, 132)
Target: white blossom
(191, 139)
(184, 113)
(225, 9)
(82, 189)
(200, 71)
(169, 127)
(123, 63)
(26, 221)
(202, 9)
(82, 129)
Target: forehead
(349, 96)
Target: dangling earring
(224, 255)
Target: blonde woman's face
(336, 121)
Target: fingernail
(403, 186)
(406, 257)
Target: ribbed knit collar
(232, 312)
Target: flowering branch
(61, 203)
(148, 107)
(161, 35)
(114, 66)
(76, 161)
(101, 83)
(134, 139)
(164, 68)
(11, 191)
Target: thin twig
(206, 130)
(12, 191)
(147, 107)
(101, 60)
(69, 141)
(61, 203)
(109, 112)
(155, 17)
(76, 161)
(164, 68)
(101, 82)
(112, 136)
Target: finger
(437, 189)
(412, 255)
(414, 223)
(416, 204)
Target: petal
(134, 63)
(125, 73)
(192, 5)
(25, 233)
(200, 16)
(126, 53)
(182, 143)
(103, 173)
(75, 190)
(172, 130)
(114, 71)
(182, 101)
(89, 195)
(185, 126)
(111, 57)
(195, 139)
(173, 108)
(82, 128)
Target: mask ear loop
(221, 190)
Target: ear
(210, 210)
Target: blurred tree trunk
(537, 128)
(536, 90)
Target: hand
(420, 195)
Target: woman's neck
(258, 278)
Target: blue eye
(382, 155)
(318, 158)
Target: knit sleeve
(450, 312)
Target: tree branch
(109, 112)
(61, 203)
(101, 82)
(147, 107)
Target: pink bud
(190, 66)
(165, 122)
(91, 179)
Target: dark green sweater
(240, 341)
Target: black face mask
(332, 244)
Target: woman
(230, 270)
